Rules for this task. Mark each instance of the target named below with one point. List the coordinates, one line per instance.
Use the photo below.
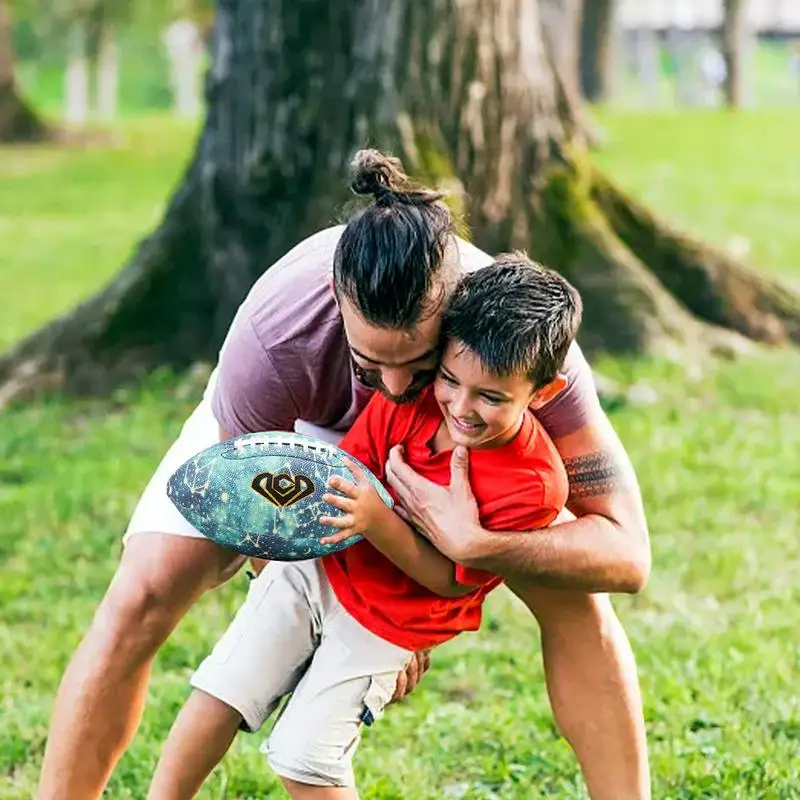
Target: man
(348, 311)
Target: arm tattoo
(594, 474)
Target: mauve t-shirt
(286, 356)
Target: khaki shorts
(155, 512)
(292, 636)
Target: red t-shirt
(518, 487)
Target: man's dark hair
(391, 255)
(516, 316)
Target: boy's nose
(461, 407)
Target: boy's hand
(362, 505)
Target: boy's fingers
(337, 537)
(408, 679)
(400, 687)
(342, 485)
(345, 521)
(356, 471)
(336, 500)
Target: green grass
(715, 632)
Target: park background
(714, 439)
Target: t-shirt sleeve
(577, 404)
(467, 576)
(250, 395)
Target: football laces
(297, 442)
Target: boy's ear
(548, 393)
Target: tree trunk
(101, 62)
(597, 49)
(561, 29)
(107, 76)
(18, 122)
(733, 40)
(76, 75)
(467, 94)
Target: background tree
(734, 35)
(561, 32)
(596, 53)
(18, 121)
(467, 93)
(90, 39)
(88, 29)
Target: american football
(261, 494)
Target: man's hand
(411, 676)
(362, 505)
(446, 516)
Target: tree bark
(107, 76)
(101, 57)
(561, 29)
(18, 121)
(597, 49)
(467, 93)
(733, 40)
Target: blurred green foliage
(45, 31)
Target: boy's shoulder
(531, 460)
(542, 456)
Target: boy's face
(481, 410)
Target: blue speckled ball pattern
(213, 491)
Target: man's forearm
(591, 554)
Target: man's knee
(568, 612)
(157, 580)
(132, 617)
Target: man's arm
(607, 546)
(606, 549)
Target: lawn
(715, 632)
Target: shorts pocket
(260, 585)
(246, 617)
(379, 693)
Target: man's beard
(372, 378)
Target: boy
(334, 632)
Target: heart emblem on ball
(283, 490)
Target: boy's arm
(366, 515)
(415, 555)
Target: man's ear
(548, 393)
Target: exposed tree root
(18, 121)
(710, 283)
